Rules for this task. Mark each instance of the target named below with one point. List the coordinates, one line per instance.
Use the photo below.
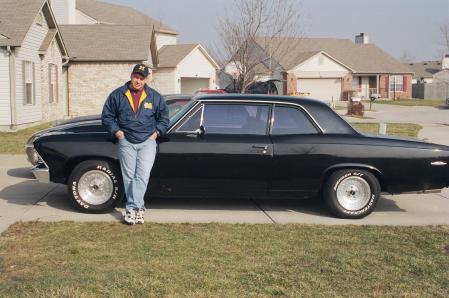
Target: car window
(235, 119)
(290, 121)
(192, 123)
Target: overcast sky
(394, 25)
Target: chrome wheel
(95, 187)
(353, 193)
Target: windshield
(176, 110)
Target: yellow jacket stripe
(130, 99)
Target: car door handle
(260, 147)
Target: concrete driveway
(24, 199)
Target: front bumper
(41, 173)
(40, 169)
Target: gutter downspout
(12, 86)
(67, 93)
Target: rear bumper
(42, 174)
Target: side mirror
(200, 131)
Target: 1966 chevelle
(245, 146)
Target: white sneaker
(129, 216)
(140, 216)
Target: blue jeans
(136, 162)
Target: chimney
(362, 38)
(64, 11)
(445, 62)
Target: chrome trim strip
(438, 163)
(267, 102)
(182, 118)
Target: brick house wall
(346, 87)
(91, 83)
(399, 94)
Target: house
(437, 86)
(103, 46)
(424, 71)
(333, 69)
(32, 56)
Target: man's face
(137, 81)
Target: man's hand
(154, 136)
(120, 135)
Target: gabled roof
(108, 13)
(16, 18)
(361, 58)
(172, 55)
(425, 69)
(107, 42)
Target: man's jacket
(152, 114)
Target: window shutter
(24, 92)
(56, 84)
(387, 84)
(50, 98)
(34, 83)
(404, 84)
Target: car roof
(261, 97)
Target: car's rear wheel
(351, 193)
(95, 186)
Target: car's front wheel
(95, 186)
(351, 193)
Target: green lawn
(185, 260)
(395, 129)
(413, 102)
(14, 142)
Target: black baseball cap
(141, 69)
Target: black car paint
(222, 165)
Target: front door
(231, 158)
(298, 161)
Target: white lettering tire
(351, 193)
(95, 186)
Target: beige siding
(29, 52)
(91, 83)
(54, 110)
(163, 39)
(196, 65)
(5, 114)
(164, 81)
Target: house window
(396, 83)
(28, 82)
(52, 83)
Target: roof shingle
(16, 18)
(171, 55)
(425, 69)
(108, 13)
(361, 58)
(107, 42)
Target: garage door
(322, 89)
(191, 85)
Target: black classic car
(245, 146)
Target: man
(136, 115)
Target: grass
(395, 129)
(14, 142)
(413, 102)
(113, 260)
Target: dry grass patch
(395, 129)
(112, 260)
(14, 142)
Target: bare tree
(271, 22)
(444, 31)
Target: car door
(298, 160)
(231, 158)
